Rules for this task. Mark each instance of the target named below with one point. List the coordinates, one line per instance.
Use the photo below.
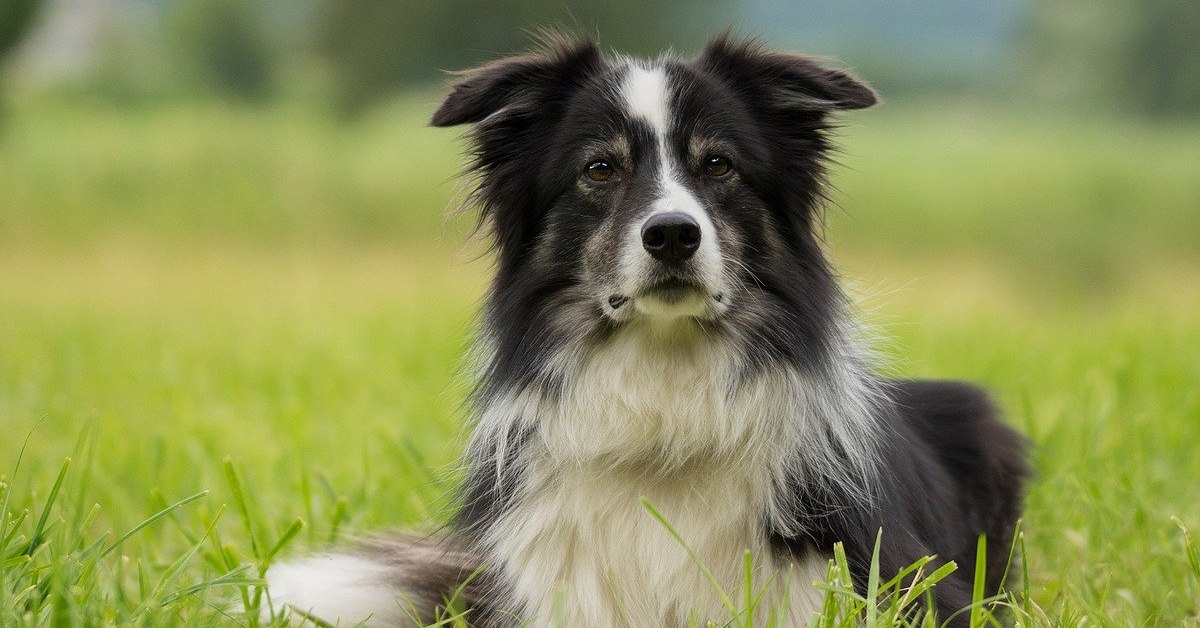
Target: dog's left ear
(520, 83)
(790, 80)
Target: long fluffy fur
(743, 407)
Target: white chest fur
(583, 552)
(663, 421)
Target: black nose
(671, 236)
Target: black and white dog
(664, 324)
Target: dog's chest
(580, 549)
(583, 551)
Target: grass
(231, 321)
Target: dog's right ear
(523, 82)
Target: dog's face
(667, 191)
(656, 202)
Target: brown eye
(600, 171)
(717, 166)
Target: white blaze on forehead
(646, 95)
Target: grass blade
(288, 534)
(925, 584)
(748, 588)
(233, 578)
(152, 595)
(8, 488)
(149, 521)
(708, 575)
(1012, 552)
(243, 508)
(873, 582)
(37, 538)
(340, 508)
(978, 592)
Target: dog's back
(983, 458)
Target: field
(266, 309)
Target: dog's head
(668, 192)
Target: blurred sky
(924, 38)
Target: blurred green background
(223, 235)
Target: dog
(665, 338)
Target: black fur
(953, 472)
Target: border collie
(665, 325)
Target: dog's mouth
(670, 297)
(672, 290)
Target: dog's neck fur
(673, 415)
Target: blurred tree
(371, 47)
(1141, 55)
(1160, 70)
(228, 43)
(17, 18)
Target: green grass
(251, 312)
